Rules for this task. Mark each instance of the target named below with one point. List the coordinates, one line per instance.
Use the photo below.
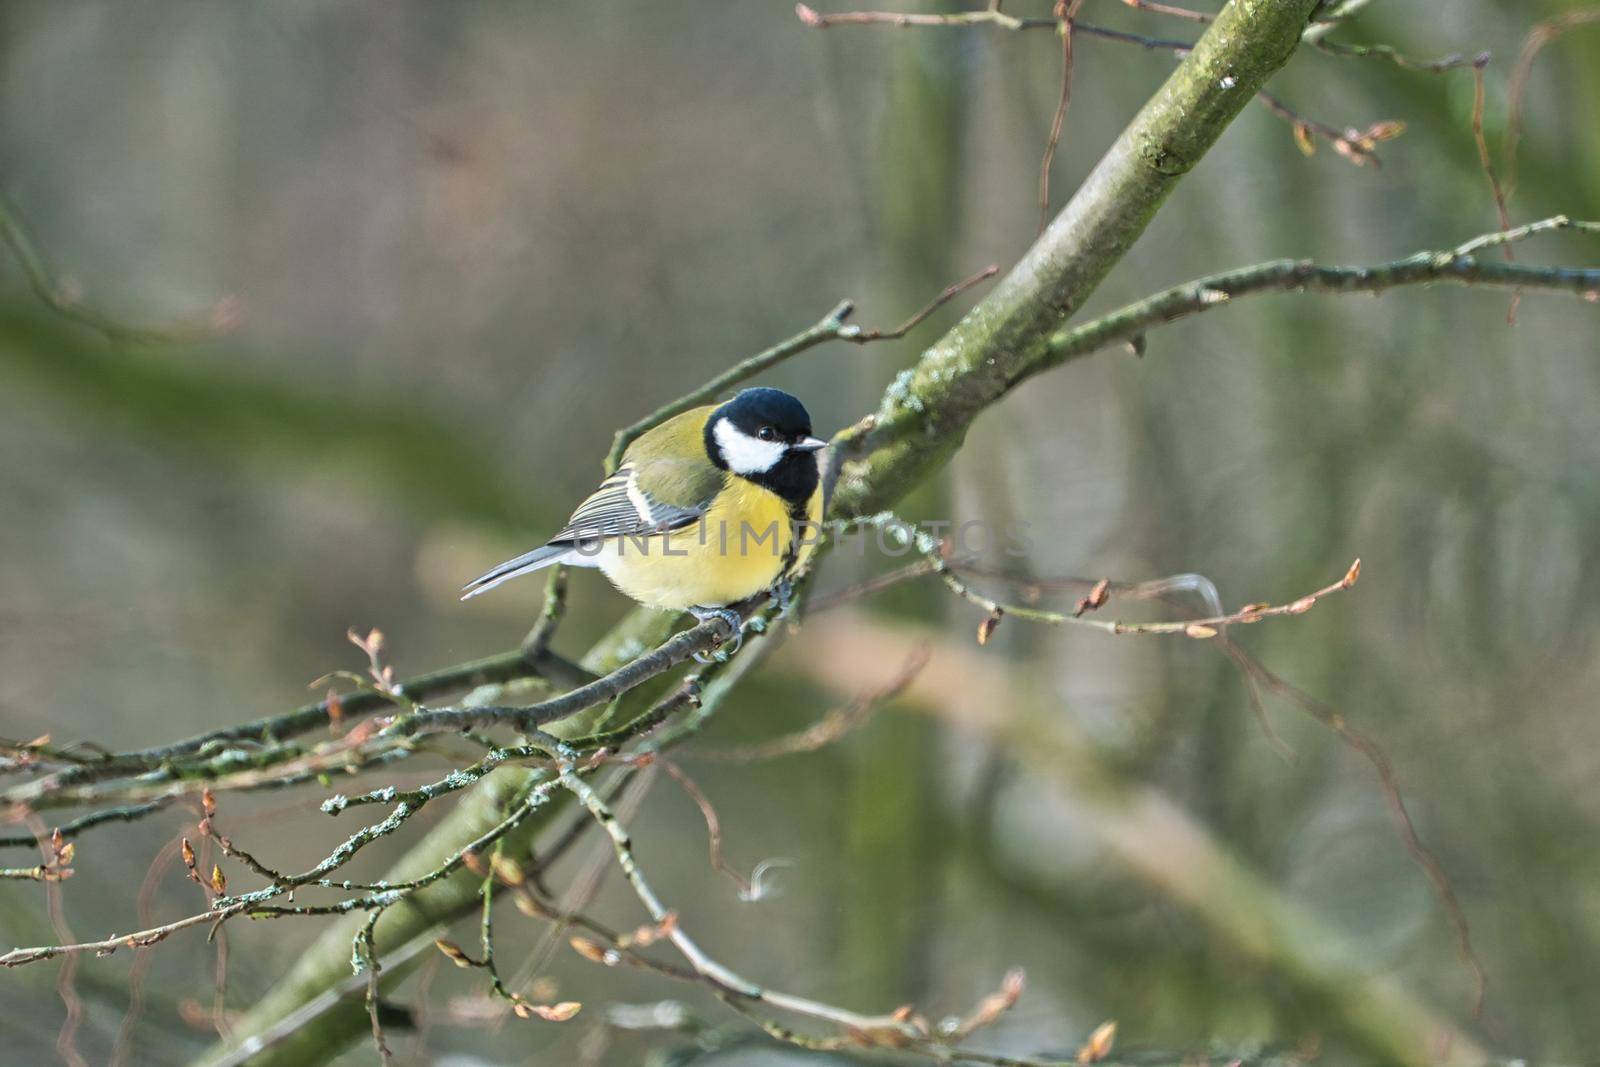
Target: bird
(705, 510)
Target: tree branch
(1459, 266)
(926, 412)
(831, 327)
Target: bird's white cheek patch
(745, 454)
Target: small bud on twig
(335, 712)
(550, 1013)
(1095, 600)
(1303, 139)
(987, 627)
(453, 952)
(1098, 1047)
(650, 933)
(592, 951)
(509, 871)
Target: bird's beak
(809, 444)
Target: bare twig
(1201, 628)
(1355, 145)
(708, 812)
(1331, 17)
(104, 947)
(62, 298)
(901, 1029)
(1168, 9)
(555, 606)
(70, 830)
(832, 726)
(1220, 290)
(1358, 146)
(1543, 34)
(1420, 854)
(1065, 11)
(871, 586)
(122, 1047)
(831, 327)
(858, 336)
(1486, 161)
(1453, 61)
(57, 854)
(274, 729)
(366, 953)
(1255, 673)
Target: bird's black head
(765, 435)
(767, 415)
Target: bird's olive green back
(671, 462)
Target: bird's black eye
(766, 433)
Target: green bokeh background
(470, 240)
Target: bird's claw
(735, 624)
(783, 594)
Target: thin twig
(832, 726)
(122, 1047)
(1486, 161)
(366, 952)
(1168, 9)
(1331, 17)
(1202, 628)
(1355, 145)
(1453, 61)
(831, 327)
(708, 812)
(858, 336)
(902, 1029)
(1220, 290)
(60, 297)
(1543, 34)
(56, 854)
(1064, 11)
(871, 586)
(1254, 673)
(555, 606)
(500, 668)
(1358, 146)
(104, 947)
(1420, 854)
(70, 830)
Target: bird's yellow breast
(741, 547)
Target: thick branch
(925, 414)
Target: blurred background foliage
(468, 241)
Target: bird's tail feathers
(527, 563)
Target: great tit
(707, 509)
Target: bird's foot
(735, 624)
(783, 594)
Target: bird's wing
(646, 496)
(678, 494)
